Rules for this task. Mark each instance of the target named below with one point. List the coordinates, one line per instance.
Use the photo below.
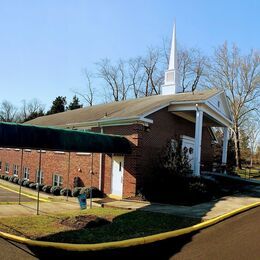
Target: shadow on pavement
(160, 250)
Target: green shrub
(26, 183)
(40, 186)
(46, 188)
(65, 192)
(55, 190)
(21, 181)
(76, 191)
(15, 180)
(96, 193)
(33, 185)
(11, 178)
(6, 177)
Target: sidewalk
(202, 211)
(55, 204)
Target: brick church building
(148, 123)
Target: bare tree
(136, 76)
(153, 73)
(115, 77)
(252, 130)
(31, 110)
(239, 76)
(8, 112)
(89, 93)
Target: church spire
(171, 80)
(173, 53)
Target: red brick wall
(54, 163)
(167, 126)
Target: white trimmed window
(26, 173)
(6, 167)
(15, 169)
(57, 180)
(39, 177)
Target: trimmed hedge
(65, 192)
(46, 188)
(55, 190)
(96, 193)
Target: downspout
(100, 165)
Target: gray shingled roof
(123, 109)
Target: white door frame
(119, 182)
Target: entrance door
(117, 175)
(188, 144)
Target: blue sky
(45, 45)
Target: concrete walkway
(56, 204)
(202, 211)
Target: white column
(198, 136)
(225, 145)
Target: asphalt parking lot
(9, 196)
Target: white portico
(213, 111)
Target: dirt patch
(85, 221)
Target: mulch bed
(85, 221)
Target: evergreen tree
(58, 105)
(74, 104)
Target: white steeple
(171, 80)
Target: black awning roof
(49, 138)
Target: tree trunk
(237, 148)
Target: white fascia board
(205, 107)
(216, 115)
(219, 112)
(182, 107)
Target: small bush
(15, 180)
(46, 188)
(40, 186)
(21, 181)
(26, 183)
(6, 177)
(2, 176)
(11, 178)
(65, 192)
(55, 190)
(76, 191)
(96, 193)
(33, 185)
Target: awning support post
(21, 176)
(68, 177)
(38, 181)
(91, 174)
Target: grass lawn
(249, 173)
(125, 224)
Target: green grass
(125, 224)
(249, 173)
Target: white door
(188, 144)
(117, 175)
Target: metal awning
(48, 138)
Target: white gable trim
(225, 110)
